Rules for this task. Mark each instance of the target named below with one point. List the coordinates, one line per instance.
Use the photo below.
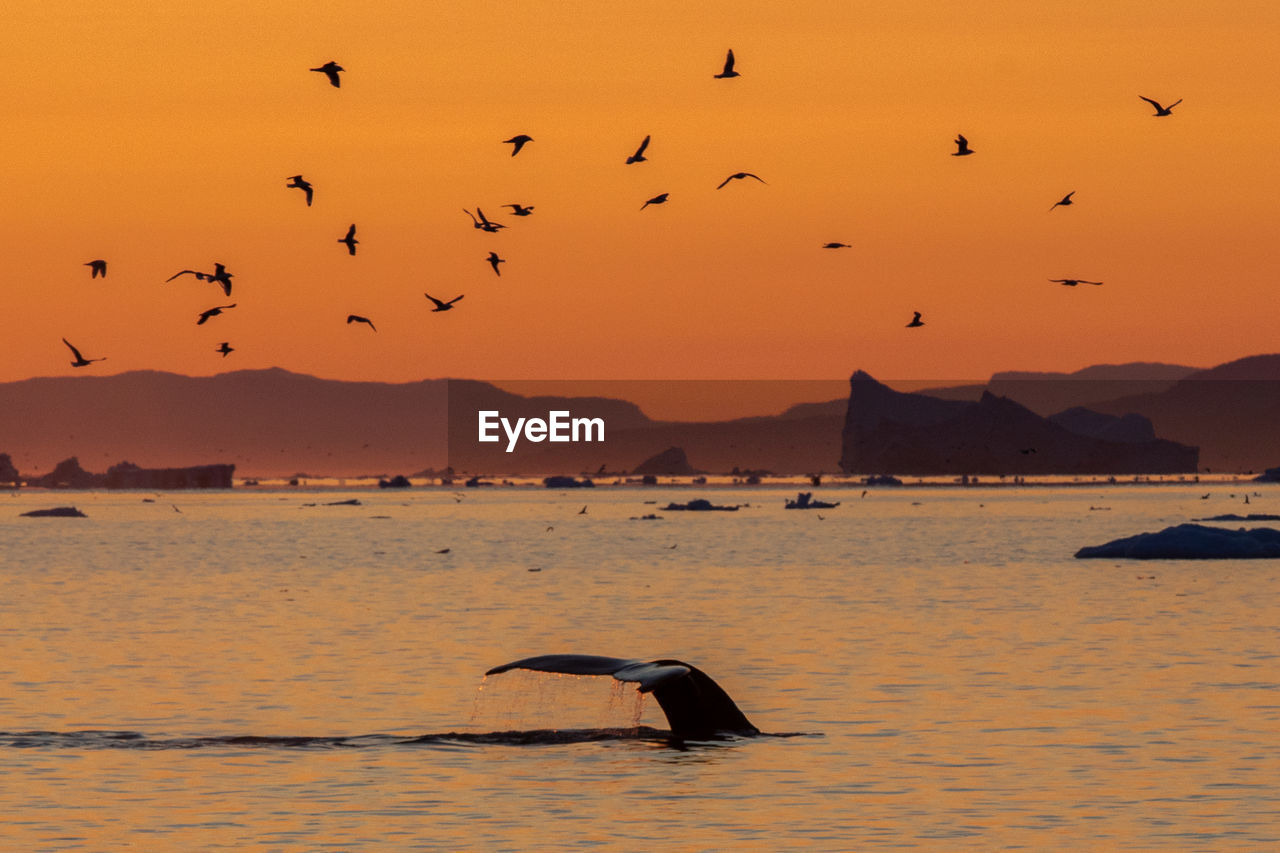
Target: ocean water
(242, 671)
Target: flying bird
(1066, 200)
(219, 275)
(915, 320)
(330, 69)
(519, 209)
(836, 246)
(518, 141)
(212, 312)
(350, 240)
(494, 260)
(482, 223)
(298, 182)
(728, 68)
(962, 146)
(639, 157)
(657, 199)
(737, 176)
(356, 318)
(225, 348)
(1072, 282)
(97, 268)
(1161, 111)
(80, 361)
(442, 306)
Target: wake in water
(136, 740)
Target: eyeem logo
(559, 427)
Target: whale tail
(696, 707)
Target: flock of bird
(332, 71)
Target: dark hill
(889, 432)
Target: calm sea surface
(240, 671)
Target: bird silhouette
(962, 146)
(494, 260)
(225, 348)
(219, 275)
(330, 69)
(519, 142)
(1072, 282)
(582, 511)
(728, 67)
(639, 157)
(915, 320)
(212, 312)
(1161, 111)
(737, 176)
(298, 182)
(442, 306)
(657, 199)
(356, 318)
(350, 240)
(97, 268)
(1066, 200)
(836, 246)
(482, 223)
(80, 361)
(519, 209)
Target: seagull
(915, 321)
(519, 209)
(225, 348)
(350, 240)
(97, 268)
(219, 275)
(80, 361)
(962, 146)
(330, 69)
(1162, 111)
(442, 306)
(1072, 282)
(482, 223)
(739, 176)
(639, 157)
(494, 260)
(836, 246)
(518, 141)
(356, 318)
(302, 184)
(212, 312)
(1066, 200)
(657, 199)
(728, 68)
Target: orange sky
(163, 140)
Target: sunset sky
(161, 137)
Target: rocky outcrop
(55, 512)
(68, 474)
(126, 475)
(886, 431)
(1271, 475)
(670, 462)
(399, 481)
(561, 482)
(1191, 542)
(700, 505)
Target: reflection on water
(973, 685)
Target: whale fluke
(696, 707)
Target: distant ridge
(890, 432)
(274, 422)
